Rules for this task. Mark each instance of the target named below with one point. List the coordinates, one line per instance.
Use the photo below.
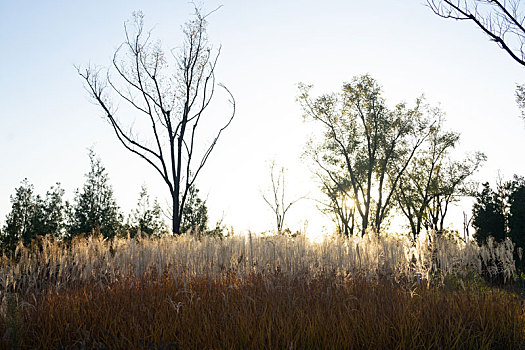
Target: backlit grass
(254, 292)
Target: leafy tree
(195, 214)
(171, 96)
(95, 208)
(340, 206)
(501, 214)
(488, 216)
(520, 99)
(31, 215)
(365, 144)
(421, 182)
(451, 185)
(54, 212)
(517, 213)
(25, 219)
(147, 217)
(219, 229)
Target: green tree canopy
(517, 213)
(147, 216)
(95, 208)
(501, 214)
(488, 216)
(25, 218)
(195, 213)
(421, 183)
(54, 211)
(31, 215)
(365, 143)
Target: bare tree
(467, 221)
(172, 102)
(277, 202)
(502, 20)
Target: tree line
(94, 210)
(372, 161)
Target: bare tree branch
(278, 203)
(497, 19)
(168, 101)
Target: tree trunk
(365, 224)
(176, 218)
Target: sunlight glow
(316, 237)
(349, 203)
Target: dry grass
(257, 292)
(272, 312)
(49, 265)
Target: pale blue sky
(47, 121)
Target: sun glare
(316, 237)
(349, 203)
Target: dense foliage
(146, 218)
(32, 215)
(195, 213)
(93, 210)
(501, 214)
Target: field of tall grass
(260, 292)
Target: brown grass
(272, 312)
(255, 292)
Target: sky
(47, 121)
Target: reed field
(254, 291)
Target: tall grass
(272, 312)
(258, 292)
(49, 265)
